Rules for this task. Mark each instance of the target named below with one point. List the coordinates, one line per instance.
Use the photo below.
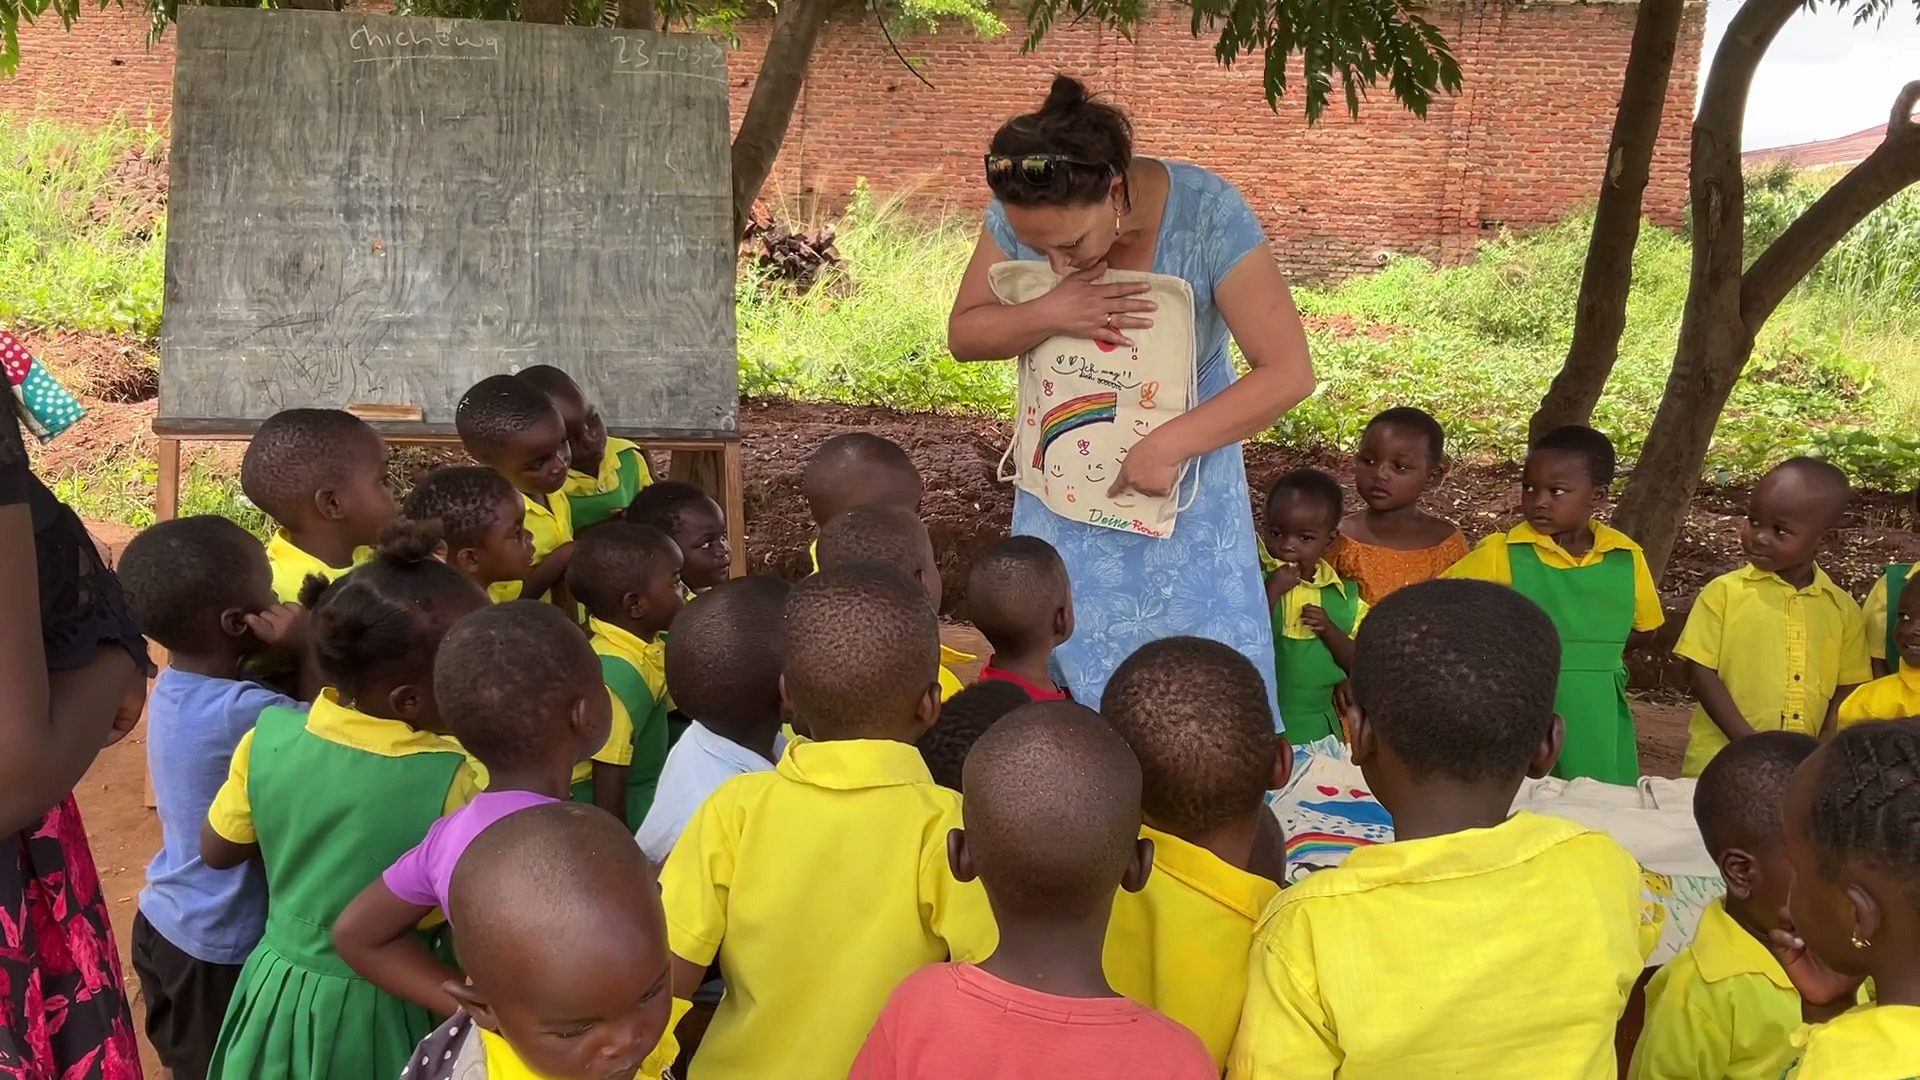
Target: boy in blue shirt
(202, 588)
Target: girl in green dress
(1315, 613)
(327, 800)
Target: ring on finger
(1109, 323)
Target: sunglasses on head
(1037, 170)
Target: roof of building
(1845, 150)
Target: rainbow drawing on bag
(1071, 416)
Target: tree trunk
(1601, 315)
(543, 11)
(776, 90)
(636, 15)
(1725, 309)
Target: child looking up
(325, 801)
(1476, 943)
(1724, 1006)
(853, 470)
(321, 475)
(565, 956)
(1314, 612)
(202, 589)
(1021, 601)
(605, 473)
(627, 576)
(1195, 713)
(522, 692)
(745, 882)
(1775, 645)
(1883, 602)
(482, 523)
(1898, 695)
(723, 662)
(695, 522)
(963, 719)
(893, 537)
(1052, 818)
(1594, 584)
(1853, 837)
(512, 428)
(1393, 543)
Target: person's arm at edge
(548, 572)
(610, 790)
(220, 853)
(374, 935)
(982, 328)
(1717, 701)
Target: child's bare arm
(220, 853)
(1717, 701)
(375, 937)
(1641, 639)
(687, 977)
(1280, 583)
(1334, 638)
(547, 572)
(1830, 725)
(610, 790)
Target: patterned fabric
(1204, 580)
(50, 410)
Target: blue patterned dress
(1204, 580)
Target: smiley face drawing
(1065, 365)
(1096, 472)
(1142, 428)
(1056, 471)
(1071, 496)
(1129, 498)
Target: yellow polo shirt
(1180, 945)
(820, 885)
(649, 658)
(1498, 954)
(231, 814)
(608, 479)
(1723, 1008)
(551, 526)
(1876, 612)
(1781, 651)
(1892, 697)
(292, 566)
(1490, 561)
(1870, 1042)
(1307, 594)
(503, 1063)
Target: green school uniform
(329, 818)
(635, 672)
(1304, 668)
(1897, 574)
(594, 499)
(1593, 609)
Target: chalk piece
(392, 414)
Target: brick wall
(1522, 144)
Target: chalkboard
(368, 210)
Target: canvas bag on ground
(1084, 404)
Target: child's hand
(282, 626)
(1281, 582)
(1820, 986)
(1316, 619)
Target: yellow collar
(955, 656)
(1722, 949)
(282, 549)
(350, 727)
(624, 641)
(1605, 538)
(854, 764)
(1909, 676)
(579, 483)
(1209, 875)
(1324, 577)
(546, 509)
(503, 1063)
(1821, 583)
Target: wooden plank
(166, 495)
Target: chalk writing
(704, 60)
(421, 40)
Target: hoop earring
(1860, 942)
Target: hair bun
(407, 544)
(1066, 94)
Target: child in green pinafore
(1314, 612)
(606, 472)
(1594, 584)
(1883, 601)
(327, 801)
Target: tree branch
(1893, 165)
(891, 44)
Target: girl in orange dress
(1393, 543)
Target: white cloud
(1824, 77)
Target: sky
(1824, 77)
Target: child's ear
(1140, 867)
(1282, 763)
(233, 622)
(580, 718)
(959, 859)
(406, 700)
(634, 604)
(466, 560)
(1737, 869)
(1868, 915)
(1829, 539)
(470, 1000)
(928, 710)
(1548, 753)
(1362, 744)
(326, 502)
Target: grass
(1836, 371)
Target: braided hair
(1868, 808)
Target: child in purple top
(521, 688)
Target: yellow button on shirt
(1781, 651)
(1894, 697)
(1307, 594)
(1180, 945)
(1491, 561)
(820, 885)
(292, 566)
(503, 1063)
(1723, 1008)
(1871, 1042)
(551, 526)
(1498, 954)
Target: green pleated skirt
(289, 1022)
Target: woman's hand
(1080, 308)
(127, 716)
(1149, 468)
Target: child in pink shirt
(1052, 815)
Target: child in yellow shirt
(1592, 581)
(567, 972)
(1314, 612)
(695, 522)
(1195, 713)
(823, 883)
(1891, 697)
(853, 470)
(1723, 1009)
(1853, 836)
(627, 577)
(321, 475)
(1478, 943)
(892, 536)
(606, 472)
(482, 522)
(512, 428)
(1775, 645)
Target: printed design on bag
(1070, 416)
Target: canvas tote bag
(1083, 405)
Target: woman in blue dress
(1068, 190)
